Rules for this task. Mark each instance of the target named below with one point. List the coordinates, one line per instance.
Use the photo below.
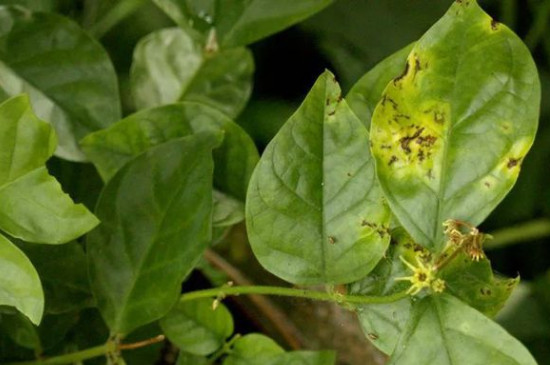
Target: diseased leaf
(367, 92)
(19, 283)
(32, 205)
(314, 211)
(169, 66)
(234, 160)
(64, 275)
(156, 213)
(194, 327)
(383, 323)
(68, 75)
(443, 330)
(259, 349)
(451, 131)
(474, 283)
(239, 22)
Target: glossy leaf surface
(19, 283)
(234, 160)
(196, 328)
(170, 66)
(443, 330)
(157, 213)
(259, 349)
(239, 22)
(32, 205)
(68, 75)
(314, 212)
(451, 131)
(367, 91)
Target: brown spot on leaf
(349, 174)
(372, 336)
(485, 291)
(487, 184)
(513, 162)
(406, 141)
(386, 98)
(439, 117)
(417, 66)
(331, 240)
(392, 160)
(403, 116)
(494, 24)
(405, 72)
(426, 141)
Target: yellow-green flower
(423, 277)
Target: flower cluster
(471, 242)
(424, 276)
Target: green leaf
(19, 283)
(169, 66)
(32, 205)
(66, 289)
(45, 5)
(314, 211)
(443, 330)
(367, 92)
(227, 211)
(259, 349)
(67, 74)
(189, 359)
(52, 330)
(474, 283)
(196, 328)
(252, 347)
(239, 22)
(383, 323)
(156, 213)
(21, 330)
(234, 160)
(450, 133)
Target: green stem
(72, 357)
(291, 292)
(529, 231)
(121, 10)
(540, 23)
(219, 293)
